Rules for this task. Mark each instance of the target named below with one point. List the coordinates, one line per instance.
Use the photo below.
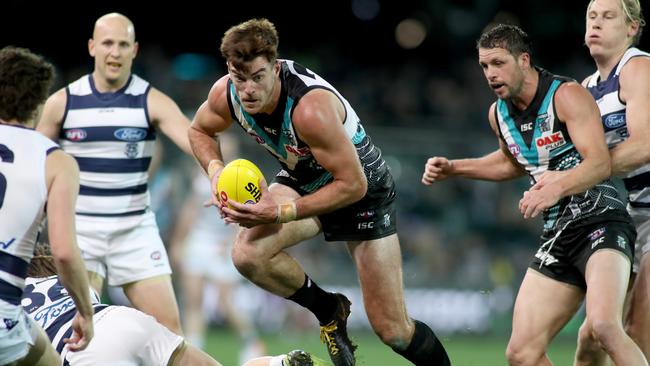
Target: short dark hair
(25, 81)
(506, 36)
(249, 40)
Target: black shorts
(567, 259)
(372, 217)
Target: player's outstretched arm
(62, 175)
(499, 165)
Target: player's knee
(522, 354)
(247, 259)
(606, 332)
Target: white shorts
(208, 255)
(128, 248)
(641, 218)
(125, 337)
(18, 333)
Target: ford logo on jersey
(614, 120)
(130, 134)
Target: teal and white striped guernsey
(276, 131)
(539, 141)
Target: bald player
(108, 121)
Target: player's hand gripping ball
(240, 181)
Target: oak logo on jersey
(130, 134)
(76, 134)
(551, 141)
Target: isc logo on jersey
(551, 142)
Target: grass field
(463, 350)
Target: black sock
(323, 304)
(425, 349)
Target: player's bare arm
(318, 120)
(52, 115)
(499, 165)
(578, 110)
(212, 117)
(168, 118)
(635, 93)
(62, 175)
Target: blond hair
(633, 14)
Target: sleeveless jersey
(276, 132)
(112, 139)
(23, 193)
(612, 111)
(540, 142)
(47, 302)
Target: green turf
(463, 350)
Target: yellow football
(239, 181)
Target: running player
(545, 123)
(333, 179)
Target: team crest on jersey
(614, 120)
(543, 123)
(551, 142)
(515, 150)
(76, 134)
(131, 150)
(130, 134)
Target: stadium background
(409, 69)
